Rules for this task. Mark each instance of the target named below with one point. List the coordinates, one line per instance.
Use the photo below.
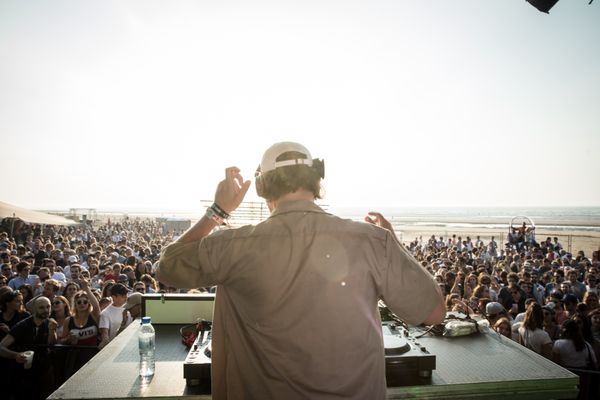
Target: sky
(143, 104)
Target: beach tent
(32, 217)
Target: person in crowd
(595, 324)
(54, 273)
(150, 282)
(129, 272)
(74, 273)
(142, 268)
(115, 271)
(570, 305)
(23, 277)
(571, 350)
(521, 316)
(486, 280)
(60, 312)
(27, 292)
(481, 291)
(550, 325)
(556, 299)
(592, 282)
(81, 328)
(511, 296)
(104, 302)
(558, 277)
(577, 288)
(70, 290)
(527, 289)
(93, 271)
(106, 287)
(50, 288)
(11, 305)
(139, 287)
(33, 333)
(7, 271)
(503, 327)
(115, 317)
(134, 305)
(532, 334)
(590, 299)
(318, 265)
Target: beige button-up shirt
(296, 308)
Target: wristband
(211, 214)
(219, 211)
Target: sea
(444, 218)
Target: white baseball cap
(269, 161)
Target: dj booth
(482, 366)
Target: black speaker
(543, 5)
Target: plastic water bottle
(146, 344)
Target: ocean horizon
(554, 218)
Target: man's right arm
(6, 353)
(174, 268)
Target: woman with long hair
(81, 328)
(151, 286)
(572, 350)
(61, 310)
(550, 324)
(70, 289)
(13, 311)
(532, 334)
(27, 292)
(143, 267)
(481, 291)
(503, 327)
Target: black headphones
(318, 165)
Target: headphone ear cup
(319, 167)
(258, 184)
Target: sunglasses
(83, 301)
(56, 303)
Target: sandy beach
(573, 233)
(572, 240)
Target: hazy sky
(142, 104)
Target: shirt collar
(297, 206)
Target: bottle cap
(146, 320)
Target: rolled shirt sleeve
(185, 265)
(407, 288)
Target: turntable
(407, 362)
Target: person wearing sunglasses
(60, 311)
(81, 328)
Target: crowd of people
(537, 294)
(82, 285)
(70, 287)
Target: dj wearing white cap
(296, 309)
